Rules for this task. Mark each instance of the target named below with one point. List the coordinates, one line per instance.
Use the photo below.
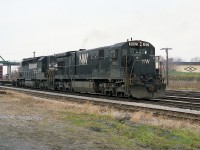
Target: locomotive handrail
(133, 65)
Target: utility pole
(167, 63)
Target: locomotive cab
(142, 79)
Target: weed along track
(45, 120)
(177, 109)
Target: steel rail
(122, 105)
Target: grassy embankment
(184, 81)
(130, 135)
(111, 129)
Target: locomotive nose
(151, 88)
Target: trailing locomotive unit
(34, 72)
(125, 69)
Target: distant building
(187, 67)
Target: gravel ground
(26, 124)
(29, 123)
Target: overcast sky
(53, 26)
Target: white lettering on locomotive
(144, 44)
(133, 44)
(145, 61)
(32, 66)
(83, 58)
(53, 65)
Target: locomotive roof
(118, 45)
(64, 54)
(41, 58)
(122, 43)
(31, 59)
(111, 46)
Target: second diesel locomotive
(127, 69)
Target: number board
(140, 44)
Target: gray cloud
(50, 26)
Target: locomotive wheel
(109, 93)
(120, 94)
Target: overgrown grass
(186, 76)
(130, 135)
(113, 129)
(184, 81)
(184, 85)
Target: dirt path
(27, 124)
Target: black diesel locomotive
(127, 69)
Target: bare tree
(172, 61)
(195, 59)
(177, 59)
(15, 73)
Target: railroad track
(183, 93)
(166, 107)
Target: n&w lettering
(83, 59)
(145, 61)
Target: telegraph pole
(167, 63)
